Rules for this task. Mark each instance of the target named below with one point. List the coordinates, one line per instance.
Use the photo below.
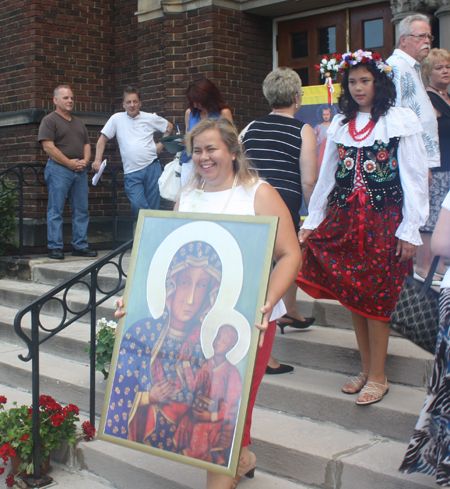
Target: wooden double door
(303, 42)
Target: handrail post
(92, 300)
(35, 391)
(114, 175)
(21, 211)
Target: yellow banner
(318, 94)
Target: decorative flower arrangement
(104, 345)
(329, 65)
(16, 431)
(366, 57)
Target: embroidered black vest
(379, 170)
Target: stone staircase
(306, 432)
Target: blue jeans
(62, 182)
(142, 187)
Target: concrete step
(306, 392)
(325, 348)
(336, 350)
(18, 294)
(327, 312)
(65, 380)
(293, 452)
(122, 465)
(125, 468)
(317, 394)
(328, 456)
(290, 451)
(41, 269)
(21, 267)
(55, 273)
(69, 343)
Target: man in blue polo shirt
(134, 131)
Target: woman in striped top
(284, 151)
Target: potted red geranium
(57, 423)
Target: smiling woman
(213, 161)
(225, 184)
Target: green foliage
(104, 345)
(16, 430)
(8, 223)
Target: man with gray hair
(414, 43)
(134, 132)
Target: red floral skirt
(350, 257)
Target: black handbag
(416, 314)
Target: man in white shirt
(413, 46)
(134, 131)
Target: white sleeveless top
(239, 202)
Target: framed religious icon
(185, 351)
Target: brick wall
(231, 48)
(17, 54)
(75, 46)
(98, 48)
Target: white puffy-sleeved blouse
(398, 122)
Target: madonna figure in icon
(160, 357)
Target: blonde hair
(246, 173)
(434, 57)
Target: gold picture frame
(185, 351)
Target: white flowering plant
(329, 65)
(104, 345)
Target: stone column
(403, 8)
(443, 14)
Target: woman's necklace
(231, 195)
(198, 199)
(443, 95)
(363, 133)
(278, 112)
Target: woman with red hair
(205, 100)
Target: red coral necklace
(363, 133)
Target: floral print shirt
(411, 94)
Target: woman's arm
(412, 158)
(227, 114)
(318, 204)
(287, 254)
(440, 242)
(308, 162)
(187, 115)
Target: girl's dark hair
(204, 92)
(383, 100)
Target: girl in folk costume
(365, 212)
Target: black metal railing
(41, 333)
(18, 177)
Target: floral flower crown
(366, 57)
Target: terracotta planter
(16, 461)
